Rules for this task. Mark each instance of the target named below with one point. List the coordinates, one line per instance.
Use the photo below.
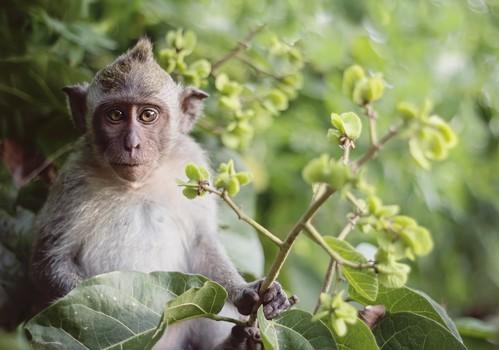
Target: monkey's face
(131, 136)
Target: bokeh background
(443, 50)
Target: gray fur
(95, 222)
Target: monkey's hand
(274, 300)
(242, 338)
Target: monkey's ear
(77, 100)
(191, 103)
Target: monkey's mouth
(127, 165)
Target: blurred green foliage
(444, 50)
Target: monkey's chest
(140, 238)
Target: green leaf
(475, 328)
(359, 336)
(418, 154)
(194, 303)
(348, 124)
(294, 330)
(364, 281)
(13, 341)
(407, 299)
(233, 186)
(407, 330)
(110, 309)
(350, 78)
(192, 172)
(190, 192)
(317, 170)
(340, 174)
(407, 110)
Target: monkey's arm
(54, 271)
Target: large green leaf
(294, 330)
(363, 281)
(407, 299)
(196, 302)
(114, 310)
(409, 331)
(358, 337)
(475, 328)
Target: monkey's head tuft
(135, 72)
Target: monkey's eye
(148, 115)
(115, 115)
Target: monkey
(115, 205)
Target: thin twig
(326, 284)
(333, 264)
(242, 45)
(317, 201)
(359, 207)
(242, 215)
(259, 70)
(372, 116)
(374, 149)
(291, 237)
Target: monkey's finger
(278, 306)
(248, 302)
(272, 292)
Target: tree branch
(333, 264)
(372, 116)
(318, 238)
(374, 149)
(242, 215)
(242, 45)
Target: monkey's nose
(132, 142)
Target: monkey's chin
(131, 173)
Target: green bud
(243, 178)
(376, 88)
(192, 172)
(388, 210)
(334, 136)
(391, 273)
(418, 239)
(339, 326)
(418, 154)
(188, 42)
(351, 77)
(317, 170)
(368, 90)
(407, 110)
(232, 103)
(202, 68)
(205, 175)
(445, 130)
(277, 100)
(190, 192)
(231, 170)
(325, 300)
(435, 146)
(233, 187)
(352, 125)
(226, 86)
(404, 221)
(359, 92)
(374, 205)
(340, 174)
(221, 180)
